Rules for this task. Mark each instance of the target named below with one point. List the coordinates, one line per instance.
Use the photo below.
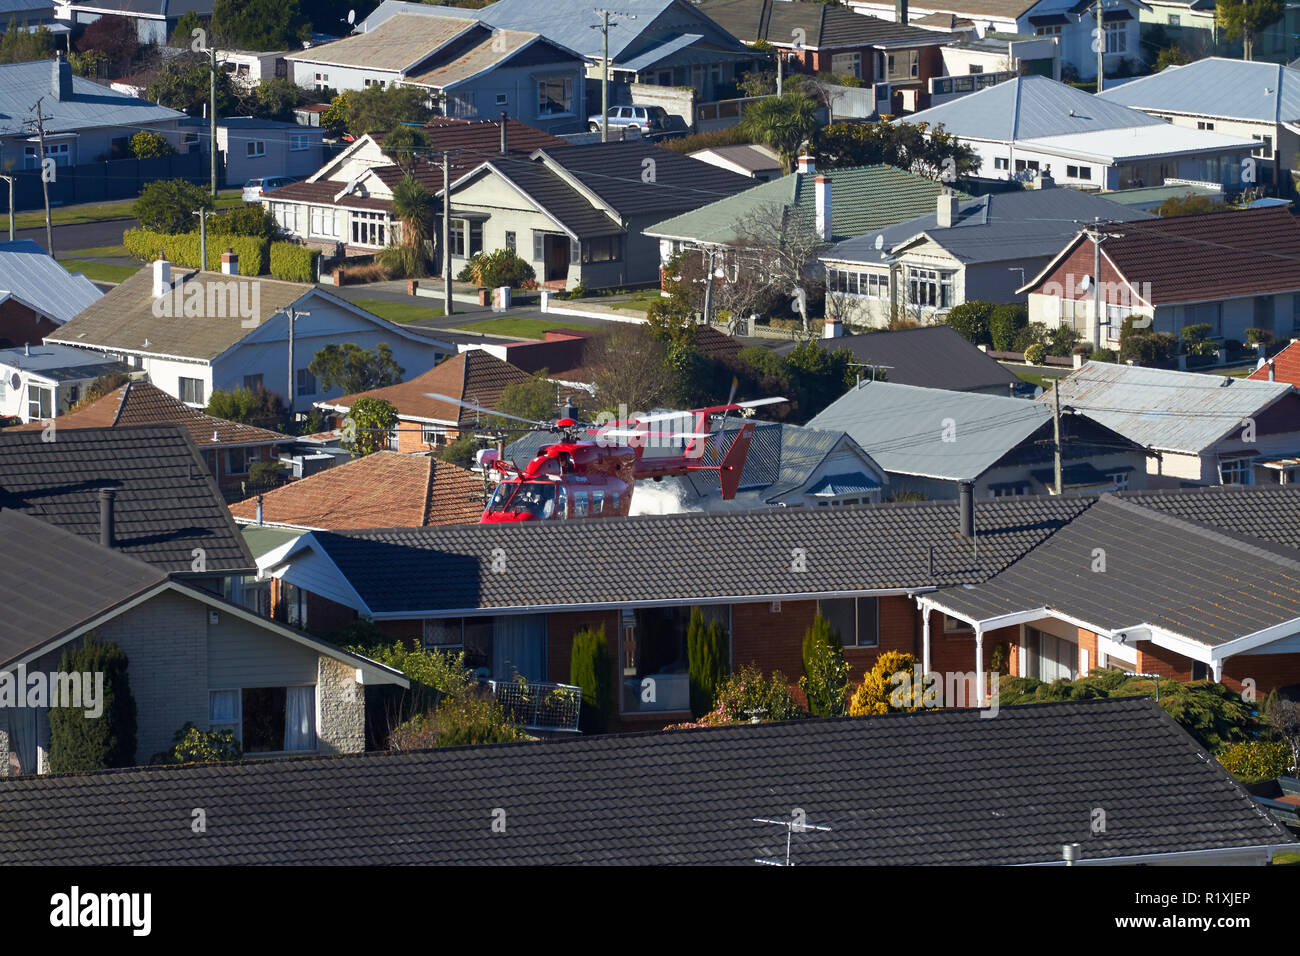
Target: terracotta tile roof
(1286, 367)
(142, 403)
(1209, 257)
(323, 192)
(473, 376)
(714, 344)
(386, 489)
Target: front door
(557, 258)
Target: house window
(555, 96)
(1175, 19)
(1236, 471)
(929, 289)
(297, 142)
(1267, 151)
(1116, 36)
(847, 64)
(1012, 490)
(252, 382)
(500, 647)
(1049, 658)
(1023, 165)
(457, 241)
(462, 105)
(191, 390)
(603, 249)
(1202, 124)
(1000, 162)
(256, 147)
(306, 382)
(272, 719)
(857, 620)
(902, 65)
(61, 153)
(238, 460)
(324, 222)
(1119, 479)
(955, 625)
(1078, 172)
(510, 241)
(394, 439)
(503, 99)
(434, 435)
(40, 403)
(368, 228)
(1049, 31)
(653, 672)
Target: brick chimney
(807, 165)
(947, 208)
(229, 263)
(61, 87)
(162, 277)
(823, 191)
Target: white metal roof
(1137, 142)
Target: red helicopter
(578, 478)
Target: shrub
(268, 472)
(247, 406)
(147, 144)
(459, 452)
(579, 291)
(1258, 337)
(747, 694)
(191, 745)
(1004, 323)
(249, 219)
(1103, 355)
(1036, 354)
(880, 693)
(826, 673)
(400, 261)
(293, 263)
(706, 652)
(1257, 759)
(1193, 335)
(1035, 333)
(463, 720)
(492, 270)
(183, 249)
(589, 668)
(1137, 343)
(78, 742)
(971, 319)
(1061, 340)
(167, 205)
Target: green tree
(354, 369)
(1283, 717)
(248, 219)
(17, 45)
(258, 24)
(404, 145)
(247, 406)
(784, 123)
(916, 147)
(114, 36)
(416, 207)
(972, 319)
(706, 653)
(589, 668)
(182, 83)
(825, 679)
(1005, 322)
(817, 376)
(167, 205)
(378, 108)
(1172, 55)
(459, 452)
(86, 64)
(278, 98)
(183, 35)
(79, 743)
(534, 398)
(147, 144)
(335, 119)
(368, 425)
(1246, 20)
(1190, 205)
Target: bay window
(368, 228)
(929, 288)
(555, 96)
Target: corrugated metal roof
(90, 106)
(1215, 86)
(39, 282)
(659, 51)
(1029, 107)
(933, 432)
(1162, 408)
(1139, 142)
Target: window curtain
(300, 718)
(20, 724)
(223, 707)
(519, 646)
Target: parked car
(642, 118)
(254, 188)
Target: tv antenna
(792, 826)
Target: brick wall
(21, 326)
(1152, 659)
(1268, 671)
(340, 708)
(560, 629)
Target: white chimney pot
(162, 278)
(823, 191)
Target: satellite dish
(1084, 282)
(15, 382)
(352, 16)
(880, 242)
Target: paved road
(86, 235)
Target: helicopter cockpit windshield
(536, 498)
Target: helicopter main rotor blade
(486, 411)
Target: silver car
(645, 119)
(254, 188)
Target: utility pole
(1095, 233)
(10, 181)
(446, 235)
(212, 120)
(1101, 50)
(604, 66)
(293, 315)
(203, 238)
(708, 288)
(1056, 431)
(39, 123)
(779, 77)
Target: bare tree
(1284, 716)
(631, 371)
(783, 246)
(744, 289)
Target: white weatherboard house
(1031, 125)
(38, 382)
(229, 346)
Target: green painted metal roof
(263, 539)
(863, 198)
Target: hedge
(1257, 759)
(292, 262)
(183, 249)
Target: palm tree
(783, 123)
(414, 205)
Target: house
(1282, 367)
(558, 351)
(841, 203)
(585, 211)
(193, 657)
(155, 20)
(92, 123)
(252, 148)
(248, 68)
(37, 294)
(242, 336)
(1195, 585)
(30, 15)
(1069, 22)
(346, 207)
(425, 422)
(1151, 198)
(758, 162)
(894, 61)
(664, 43)
(473, 68)
(977, 250)
(587, 802)
(1203, 429)
(931, 441)
(1032, 125)
(972, 62)
(383, 488)
(1232, 271)
(37, 384)
(229, 449)
(932, 356)
(1250, 100)
(764, 574)
(1190, 25)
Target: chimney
(504, 135)
(162, 277)
(832, 328)
(1044, 181)
(966, 508)
(1272, 371)
(947, 208)
(824, 208)
(230, 262)
(900, 11)
(259, 511)
(807, 165)
(106, 532)
(62, 79)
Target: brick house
(37, 295)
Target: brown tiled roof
(1211, 256)
(386, 489)
(142, 403)
(396, 44)
(1286, 367)
(473, 376)
(324, 191)
(714, 344)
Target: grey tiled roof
(1029, 781)
(743, 555)
(1268, 513)
(167, 503)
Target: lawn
(1286, 859)
(514, 326)
(95, 212)
(100, 252)
(98, 271)
(399, 312)
(638, 301)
